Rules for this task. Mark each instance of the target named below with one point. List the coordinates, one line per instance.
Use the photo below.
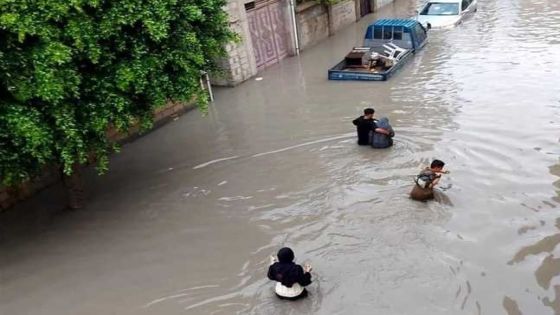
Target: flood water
(186, 219)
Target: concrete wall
(341, 15)
(316, 22)
(9, 196)
(290, 28)
(312, 23)
(379, 3)
(239, 65)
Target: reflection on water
(185, 221)
(554, 304)
(549, 269)
(511, 306)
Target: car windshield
(435, 8)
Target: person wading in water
(365, 125)
(427, 180)
(290, 278)
(382, 140)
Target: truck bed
(343, 72)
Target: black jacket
(288, 273)
(364, 127)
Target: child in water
(290, 278)
(384, 139)
(427, 180)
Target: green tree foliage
(70, 69)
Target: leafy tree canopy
(70, 69)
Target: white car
(445, 13)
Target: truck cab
(388, 45)
(405, 33)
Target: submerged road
(186, 219)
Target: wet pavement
(188, 215)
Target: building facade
(271, 30)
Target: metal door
(268, 32)
(365, 7)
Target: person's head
(368, 112)
(437, 165)
(383, 122)
(285, 255)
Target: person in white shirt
(290, 278)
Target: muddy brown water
(185, 221)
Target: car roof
(409, 23)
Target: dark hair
(285, 255)
(369, 111)
(437, 163)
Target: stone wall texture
(239, 65)
(342, 14)
(312, 23)
(379, 3)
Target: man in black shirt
(364, 125)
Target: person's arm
(271, 274)
(304, 277)
(435, 182)
(356, 121)
(383, 131)
(377, 129)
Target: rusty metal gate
(269, 31)
(365, 7)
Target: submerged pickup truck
(388, 45)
